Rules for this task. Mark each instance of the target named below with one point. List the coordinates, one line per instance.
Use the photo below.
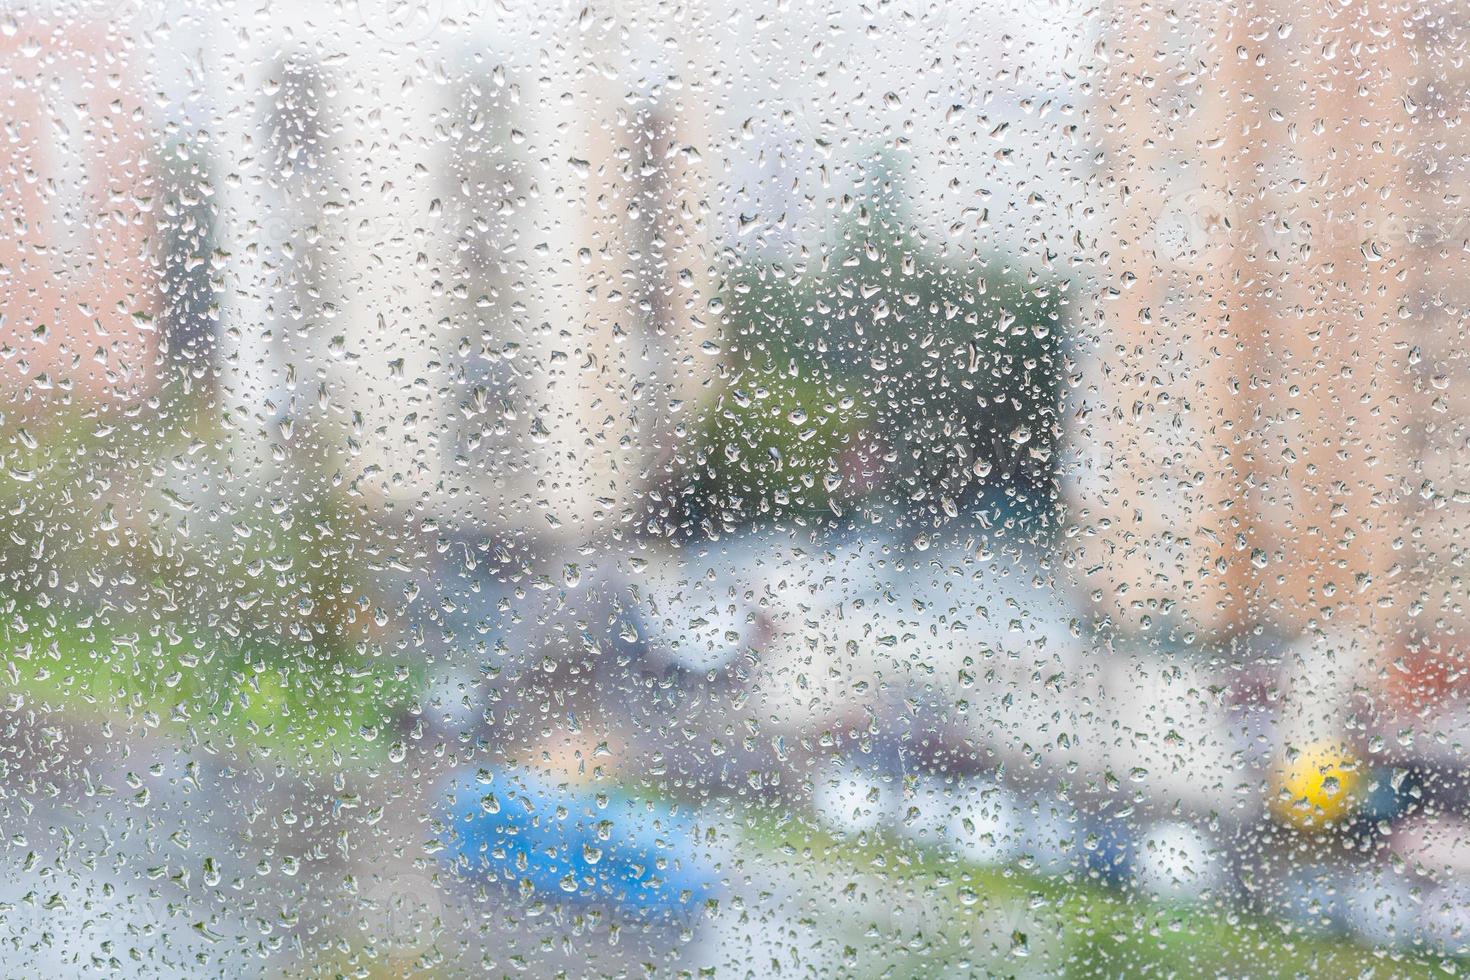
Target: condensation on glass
(692, 488)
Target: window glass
(684, 487)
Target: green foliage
(950, 376)
(297, 703)
(776, 445)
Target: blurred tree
(884, 372)
(775, 445)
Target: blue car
(575, 844)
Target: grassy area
(303, 706)
(904, 911)
(253, 639)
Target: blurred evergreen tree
(882, 371)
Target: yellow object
(1319, 785)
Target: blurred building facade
(524, 375)
(76, 265)
(1276, 339)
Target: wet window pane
(700, 488)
